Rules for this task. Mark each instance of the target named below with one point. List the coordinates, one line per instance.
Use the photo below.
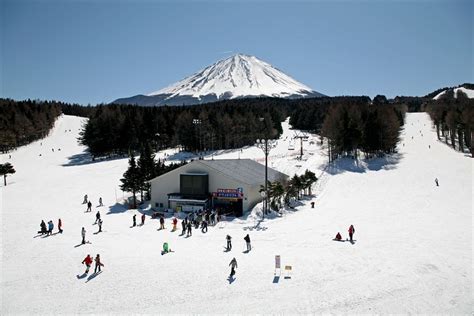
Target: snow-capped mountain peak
(236, 76)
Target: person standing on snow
(134, 218)
(43, 229)
(436, 181)
(204, 227)
(97, 217)
(98, 264)
(162, 222)
(190, 227)
(183, 225)
(50, 227)
(247, 240)
(85, 199)
(89, 206)
(88, 261)
(100, 202)
(229, 242)
(100, 225)
(175, 222)
(351, 232)
(233, 265)
(83, 233)
(60, 226)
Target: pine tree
(5, 169)
(131, 180)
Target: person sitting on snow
(338, 237)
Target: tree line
(453, 118)
(22, 122)
(353, 124)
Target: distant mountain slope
(238, 76)
(467, 88)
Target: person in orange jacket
(351, 232)
(88, 261)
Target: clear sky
(97, 51)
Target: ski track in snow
(413, 249)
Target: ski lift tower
(301, 137)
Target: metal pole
(266, 178)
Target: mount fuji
(238, 76)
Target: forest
(453, 118)
(22, 122)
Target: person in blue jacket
(50, 227)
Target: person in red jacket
(88, 262)
(338, 237)
(351, 232)
(175, 222)
(60, 226)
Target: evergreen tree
(5, 169)
(131, 181)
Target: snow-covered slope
(412, 255)
(237, 76)
(468, 92)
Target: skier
(175, 222)
(229, 242)
(89, 206)
(88, 261)
(437, 183)
(100, 202)
(351, 232)
(134, 220)
(83, 233)
(233, 265)
(143, 219)
(50, 227)
(204, 227)
(60, 226)
(190, 227)
(97, 217)
(247, 240)
(85, 199)
(338, 237)
(100, 225)
(183, 225)
(98, 264)
(43, 229)
(162, 222)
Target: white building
(231, 185)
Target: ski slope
(412, 254)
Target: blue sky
(97, 51)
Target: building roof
(243, 170)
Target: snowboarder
(50, 227)
(437, 183)
(233, 265)
(83, 233)
(100, 202)
(100, 225)
(143, 219)
(98, 264)
(88, 261)
(338, 237)
(351, 232)
(162, 222)
(43, 229)
(134, 220)
(85, 199)
(204, 227)
(60, 226)
(247, 240)
(229, 242)
(190, 227)
(97, 217)
(183, 225)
